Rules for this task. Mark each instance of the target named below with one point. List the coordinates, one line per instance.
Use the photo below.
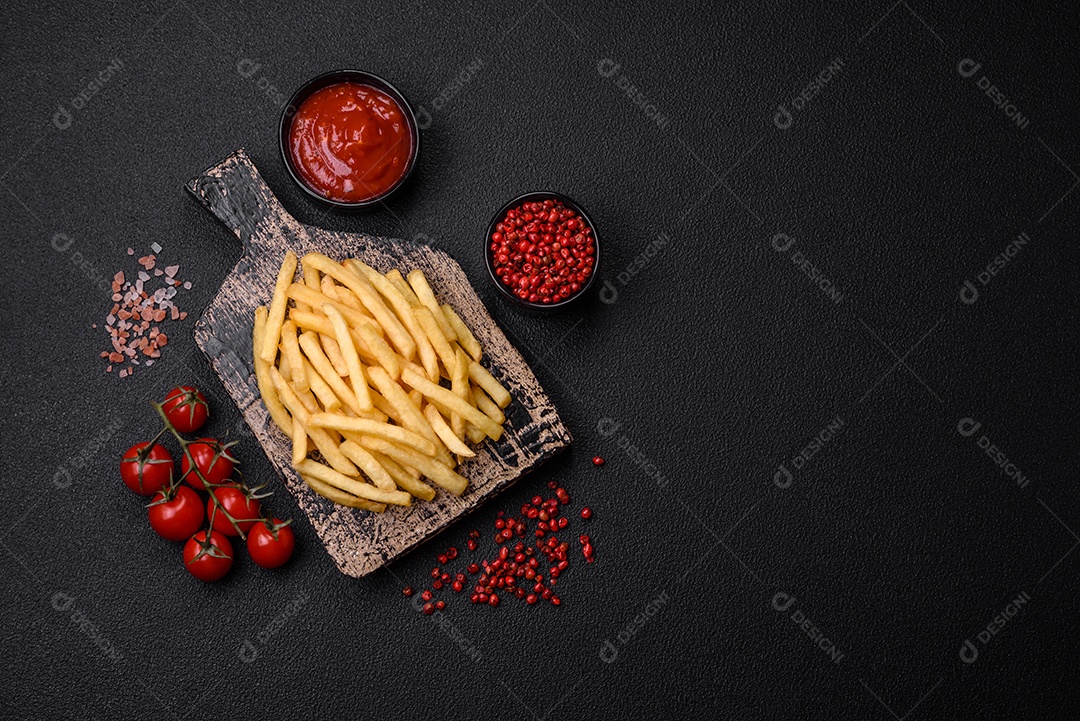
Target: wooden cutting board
(359, 541)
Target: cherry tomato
(213, 461)
(271, 546)
(145, 469)
(186, 408)
(216, 558)
(239, 505)
(176, 518)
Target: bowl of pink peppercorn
(542, 251)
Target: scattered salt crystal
(144, 276)
(131, 251)
(171, 270)
(155, 247)
(157, 271)
(187, 285)
(170, 292)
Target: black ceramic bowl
(320, 82)
(489, 259)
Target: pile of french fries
(354, 369)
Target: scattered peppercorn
(514, 571)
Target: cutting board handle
(234, 191)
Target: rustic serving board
(359, 541)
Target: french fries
(465, 337)
(452, 441)
(277, 308)
(352, 360)
(353, 374)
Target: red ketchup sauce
(350, 142)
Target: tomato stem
(184, 443)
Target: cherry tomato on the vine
(271, 545)
(239, 505)
(211, 458)
(216, 557)
(186, 408)
(179, 517)
(146, 470)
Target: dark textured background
(900, 180)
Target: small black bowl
(489, 257)
(340, 76)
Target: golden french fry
(299, 441)
(341, 497)
(419, 284)
(359, 285)
(342, 295)
(334, 354)
(352, 360)
(464, 336)
(291, 349)
(395, 277)
(309, 320)
(352, 485)
(485, 380)
(437, 472)
(459, 385)
(322, 390)
(394, 434)
(309, 342)
(474, 434)
(407, 412)
(487, 406)
(311, 276)
(276, 315)
(362, 337)
(323, 440)
(452, 403)
(428, 358)
(453, 443)
(262, 377)
(315, 299)
(384, 408)
(438, 341)
(383, 354)
(328, 287)
(406, 480)
(367, 463)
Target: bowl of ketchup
(349, 138)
